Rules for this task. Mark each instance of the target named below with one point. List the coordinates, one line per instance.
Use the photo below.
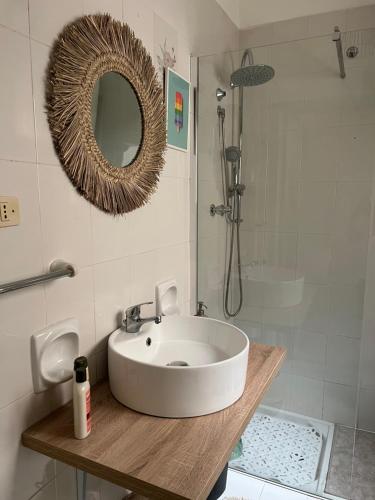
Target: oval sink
(184, 367)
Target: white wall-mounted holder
(166, 298)
(53, 351)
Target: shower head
(249, 76)
(232, 154)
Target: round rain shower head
(232, 154)
(249, 76)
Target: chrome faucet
(133, 321)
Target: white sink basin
(216, 354)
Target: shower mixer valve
(219, 210)
(237, 188)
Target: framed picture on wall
(178, 95)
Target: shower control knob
(240, 188)
(219, 210)
(220, 94)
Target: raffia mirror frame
(85, 50)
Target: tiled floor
(340, 471)
(352, 476)
(363, 479)
(243, 487)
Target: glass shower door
(308, 157)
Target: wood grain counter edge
(43, 437)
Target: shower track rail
(58, 269)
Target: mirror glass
(116, 119)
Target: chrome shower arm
(336, 37)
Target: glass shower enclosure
(286, 252)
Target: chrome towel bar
(58, 269)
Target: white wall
(308, 26)
(232, 8)
(118, 260)
(250, 13)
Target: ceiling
(248, 13)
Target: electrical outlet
(9, 211)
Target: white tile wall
(306, 396)
(21, 178)
(66, 219)
(57, 15)
(340, 404)
(45, 151)
(16, 98)
(118, 259)
(112, 7)
(22, 471)
(14, 15)
(321, 24)
(319, 154)
(342, 360)
(280, 249)
(347, 310)
(360, 18)
(316, 25)
(366, 409)
(141, 18)
(21, 315)
(314, 257)
(309, 354)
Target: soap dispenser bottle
(81, 402)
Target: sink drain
(177, 363)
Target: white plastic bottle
(81, 403)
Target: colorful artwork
(177, 111)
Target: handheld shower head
(232, 154)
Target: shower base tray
(287, 448)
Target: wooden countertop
(160, 458)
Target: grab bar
(58, 269)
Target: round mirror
(116, 119)
(106, 111)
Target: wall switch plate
(9, 211)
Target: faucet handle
(132, 318)
(136, 309)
